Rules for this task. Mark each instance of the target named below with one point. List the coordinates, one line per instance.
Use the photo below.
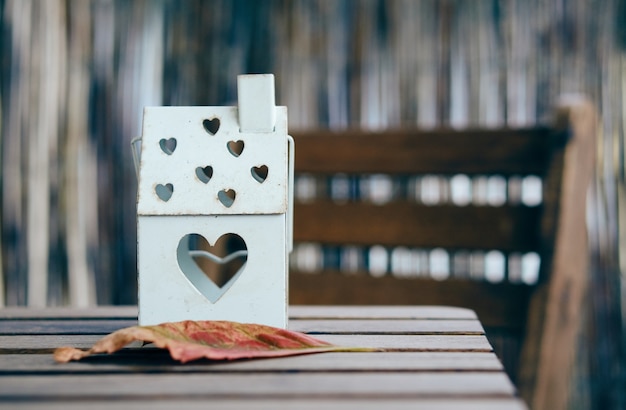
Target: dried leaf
(214, 340)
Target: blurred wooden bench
(537, 323)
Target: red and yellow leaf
(215, 340)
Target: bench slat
(283, 385)
(148, 360)
(497, 305)
(503, 228)
(448, 152)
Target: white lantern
(215, 197)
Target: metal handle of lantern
(136, 154)
(292, 158)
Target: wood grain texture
(100, 312)
(295, 312)
(431, 356)
(28, 344)
(321, 326)
(284, 385)
(501, 305)
(388, 326)
(556, 307)
(506, 228)
(561, 156)
(379, 312)
(447, 152)
(468, 403)
(63, 327)
(150, 360)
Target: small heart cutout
(168, 145)
(204, 174)
(259, 173)
(211, 126)
(212, 270)
(227, 197)
(235, 147)
(164, 192)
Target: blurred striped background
(75, 76)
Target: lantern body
(214, 210)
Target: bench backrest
(451, 237)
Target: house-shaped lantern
(214, 210)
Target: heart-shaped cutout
(164, 192)
(212, 270)
(204, 174)
(259, 173)
(235, 147)
(168, 145)
(211, 126)
(227, 197)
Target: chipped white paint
(216, 171)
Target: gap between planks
(158, 361)
(42, 344)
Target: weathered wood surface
(556, 308)
(500, 305)
(276, 404)
(537, 323)
(389, 327)
(47, 343)
(323, 326)
(62, 327)
(379, 312)
(146, 360)
(295, 312)
(429, 357)
(263, 385)
(448, 152)
(101, 312)
(505, 228)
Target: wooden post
(556, 307)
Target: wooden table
(436, 357)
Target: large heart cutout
(212, 270)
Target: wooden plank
(162, 403)
(555, 309)
(47, 343)
(379, 312)
(283, 385)
(63, 327)
(497, 305)
(295, 312)
(320, 326)
(505, 152)
(465, 343)
(158, 361)
(506, 228)
(389, 326)
(101, 312)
